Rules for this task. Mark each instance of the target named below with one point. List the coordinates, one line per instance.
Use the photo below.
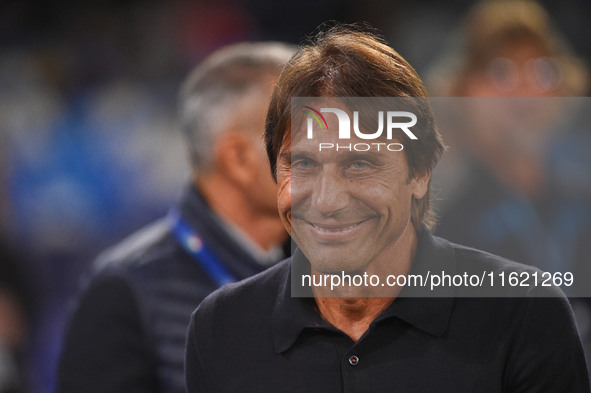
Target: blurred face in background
(262, 189)
(522, 68)
(510, 128)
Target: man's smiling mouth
(335, 229)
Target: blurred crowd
(90, 148)
(513, 182)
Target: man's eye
(359, 165)
(303, 164)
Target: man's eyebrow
(363, 154)
(291, 155)
(285, 156)
(373, 156)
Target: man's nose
(330, 192)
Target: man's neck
(230, 204)
(355, 308)
(352, 315)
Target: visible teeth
(335, 230)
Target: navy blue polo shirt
(255, 337)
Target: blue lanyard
(193, 243)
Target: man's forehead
(379, 153)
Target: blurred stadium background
(89, 148)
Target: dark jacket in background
(128, 331)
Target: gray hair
(219, 85)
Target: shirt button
(353, 360)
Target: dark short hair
(348, 62)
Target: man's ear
(234, 157)
(420, 185)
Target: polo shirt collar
(430, 313)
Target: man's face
(263, 187)
(517, 120)
(345, 210)
(262, 190)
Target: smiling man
(360, 216)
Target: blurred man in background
(127, 333)
(512, 195)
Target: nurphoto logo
(392, 120)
